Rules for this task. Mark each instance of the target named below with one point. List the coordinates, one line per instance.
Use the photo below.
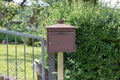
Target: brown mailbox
(60, 38)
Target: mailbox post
(60, 38)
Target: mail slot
(60, 38)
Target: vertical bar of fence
(33, 55)
(7, 56)
(24, 59)
(16, 69)
(43, 62)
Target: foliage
(95, 59)
(11, 38)
(32, 18)
(7, 10)
(91, 1)
(97, 44)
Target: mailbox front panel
(61, 41)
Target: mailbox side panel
(61, 42)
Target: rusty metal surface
(60, 26)
(60, 29)
(61, 43)
(60, 38)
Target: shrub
(97, 45)
(96, 56)
(11, 38)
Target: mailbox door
(61, 42)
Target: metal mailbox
(60, 38)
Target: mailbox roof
(60, 26)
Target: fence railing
(19, 34)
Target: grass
(20, 61)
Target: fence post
(51, 65)
(60, 65)
(43, 62)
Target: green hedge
(97, 55)
(11, 38)
(98, 52)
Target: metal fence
(16, 58)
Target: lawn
(20, 61)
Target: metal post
(43, 62)
(51, 65)
(24, 59)
(16, 58)
(33, 55)
(60, 65)
(7, 56)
